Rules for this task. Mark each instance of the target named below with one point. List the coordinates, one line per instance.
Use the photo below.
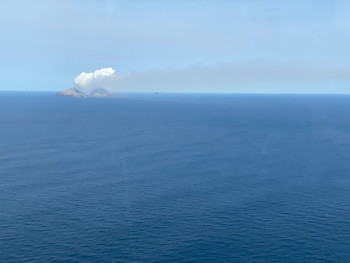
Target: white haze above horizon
(264, 46)
(223, 77)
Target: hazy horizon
(178, 46)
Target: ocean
(174, 178)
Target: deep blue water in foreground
(174, 178)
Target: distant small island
(96, 93)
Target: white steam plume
(87, 82)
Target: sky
(249, 46)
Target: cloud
(87, 82)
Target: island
(96, 93)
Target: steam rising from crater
(88, 82)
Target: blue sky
(283, 46)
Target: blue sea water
(174, 178)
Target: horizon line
(189, 93)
